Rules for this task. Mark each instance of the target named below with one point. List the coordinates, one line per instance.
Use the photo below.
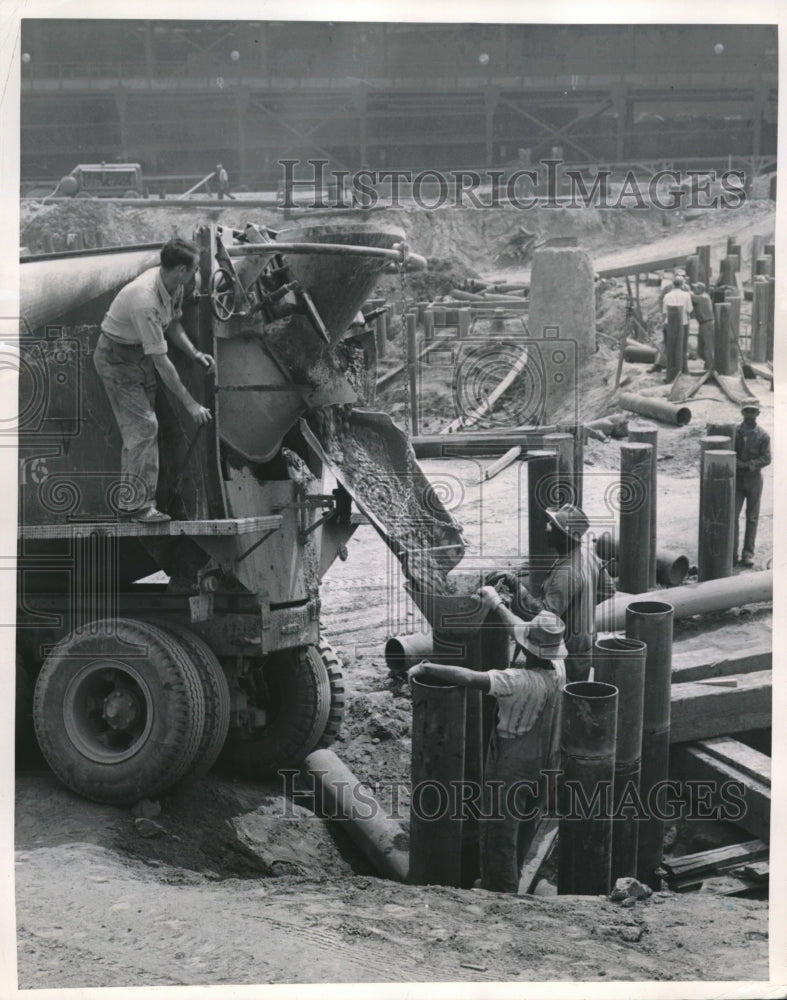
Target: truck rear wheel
(215, 690)
(336, 715)
(294, 689)
(119, 711)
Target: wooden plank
(699, 711)
(694, 666)
(746, 759)
(540, 848)
(642, 266)
(229, 526)
(717, 859)
(690, 762)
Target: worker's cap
(543, 636)
(750, 405)
(699, 287)
(570, 519)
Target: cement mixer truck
(155, 649)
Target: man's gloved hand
(510, 581)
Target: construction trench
(450, 451)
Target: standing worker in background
(703, 313)
(131, 351)
(753, 451)
(678, 296)
(575, 584)
(524, 743)
(223, 182)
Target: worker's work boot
(747, 562)
(151, 516)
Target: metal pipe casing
(563, 445)
(642, 354)
(672, 568)
(721, 430)
(759, 320)
(715, 441)
(651, 622)
(404, 651)
(635, 498)
(542, 491)
(692, 599)
(658, 409)
(703, 253)
(437, 770)
(723, 339)
(717, 515)
(380, 839)
(676, 344)
(649, 434)
(621, 663)
(588, 736)
(577, 432)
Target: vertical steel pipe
(704, 272)
(542, 481)
(634, 532)
(769, 323)
(588, 735)
(412, 373)
(717, 515)
(721, 430)
(437, 770)
(722, 341)
(757, 243)
(727, 270)
(716, 439)
(651, 623)
(762, 266)
(676, 344)
(692, 268)
(621, 663)
(643, 433)
(563, 445)
(759, 320)
(577, 431)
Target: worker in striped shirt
(525, 741)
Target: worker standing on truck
(577, 581)
(524, 743)
(131, 351)
(223, 182)
(753, 453)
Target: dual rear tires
(123, 709)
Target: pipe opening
(675, 572)
(650, 608)
(683, 416)
(619, 644)
(432, 682)
(590, 689)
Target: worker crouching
(525, 741)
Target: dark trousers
(748, 488)
(129, 377)
(505, 839)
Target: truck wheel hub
(120, 709)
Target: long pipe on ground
(588, 734)
(635, 493)
(621, 663)
(380, 839)
(672, 567)
(642, 433)
(658, 409)
(717, 515)
(437, 771)
(692, 599)
(651, 622)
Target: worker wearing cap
(753, 451)
(131, 351)
(575, 584)
(703, 313)
(524, 743)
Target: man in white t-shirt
(678, 296)
(525, 741)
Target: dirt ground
(239, 887)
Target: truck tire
(118, 711)
(336, 714)
(298, 705)
(215, 690)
